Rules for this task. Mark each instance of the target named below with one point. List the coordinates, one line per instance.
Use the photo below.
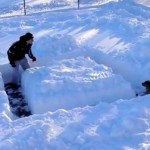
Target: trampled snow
(82, 88)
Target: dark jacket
(18, 50)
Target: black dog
(146, 84)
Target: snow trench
(83, 77)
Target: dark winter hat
(26, 37)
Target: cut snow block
(5, 112)
(73, 83)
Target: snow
(73, 83)
(82, 88)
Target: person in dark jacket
(16, 55)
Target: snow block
(73, 83)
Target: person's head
(28, 38)
(146, 83)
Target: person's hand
(12, 64)
(33, 58)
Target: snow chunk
(52, 51)
(72, 83)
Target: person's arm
(30, 54)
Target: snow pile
(121, 125)
(72, 83)
(5, 113)
(49, 49)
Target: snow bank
(48, 48)
(5, 113)
(72, 83)
(123, 124)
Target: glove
(12, 64)
(33, 58)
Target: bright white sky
(81, 90)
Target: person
(16, 55)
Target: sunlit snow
(82, 88)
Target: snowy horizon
(82, 89)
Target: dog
(146, 84)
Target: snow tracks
(17, 102)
